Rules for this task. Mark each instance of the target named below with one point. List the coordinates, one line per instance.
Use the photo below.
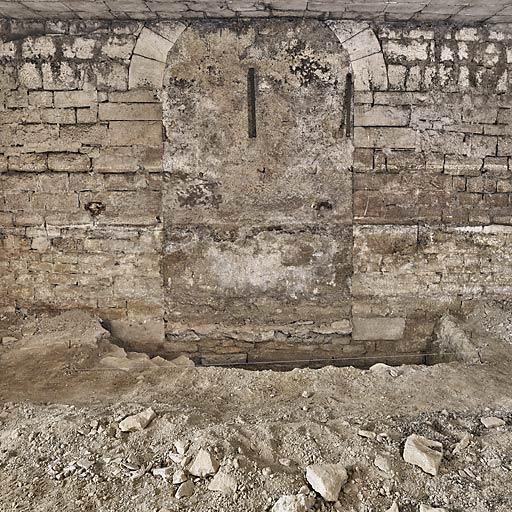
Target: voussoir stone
(327, 479)
(424, 453)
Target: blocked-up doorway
(258, 192)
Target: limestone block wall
(86, 173)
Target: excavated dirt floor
(61, 447)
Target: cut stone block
(366, 329)
(145, 73)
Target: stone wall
(94, 213)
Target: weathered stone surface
(68, 162)
(424, 453)
(327, 479)
(261, 223)
(378, 328)
(145, 72)
(130, 112)
(127, 133)
(85, 98)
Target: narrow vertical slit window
(349, 91)
(251, 101)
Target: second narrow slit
(251, 101)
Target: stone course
(85, 197)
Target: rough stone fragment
(424, 453)
(492, 422)
(179, 477)
(182, 361)
(463, 443)
(138, 421)
(204, 464)
(185, 490)
(223, 483)
(327, 479)
(367, 434)
(383, 462)
(293, 503)
(165, 473)
(393, 508)
(181, 446)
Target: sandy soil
(61, 447)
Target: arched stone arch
(187, 249)
(147, 65)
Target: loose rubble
(234, 440)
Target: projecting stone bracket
(147, 65)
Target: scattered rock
(181, 446)
(177, 458)
(463, 443)
(6, 340)
(266, 472)
(165, 473)
(223, 483)
(204, 464)
(327, 479)
(383, 462)
(426, 508)
(424, 453)
(393, 508)
(292, 503)
(492, 422)
(179, 477)
(138, 421)
(366, 433)
(185, 490)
